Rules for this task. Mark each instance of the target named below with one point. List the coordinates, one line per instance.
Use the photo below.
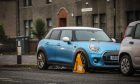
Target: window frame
(27, 24)
(64, 30)
(79, 21)
(98, 20)
(27, 3)
(48, 20)
(134, 36)
(58, 38)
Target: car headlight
(94, 48)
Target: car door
(65, 49)
(136, 46)
(51, 45)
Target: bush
(40, 30)
(2, 33)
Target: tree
(40, 30)
(2, 33)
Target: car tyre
(41, 61)
(126, 66)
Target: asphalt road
(35, 76)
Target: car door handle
(47, 43)
(131, 42)
(58, 44)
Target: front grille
(107, 57)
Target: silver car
(129, 55)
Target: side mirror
(114, 40)
(92, 39)
(66, 39)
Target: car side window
(129, 31)
(55, 34)
(137, 32)
(66, 33)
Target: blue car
(62, 45)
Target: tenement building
(110, 15)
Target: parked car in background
(129, 56)
(62, 45)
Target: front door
(65, 49)
(51, 45)
(62, 22)
(136, 46)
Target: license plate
(113, 57)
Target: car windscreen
(86, 35)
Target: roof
(134, 23)
(74, 28)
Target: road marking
(8, 80)
(4, 78)
(52, 83)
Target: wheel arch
(124, 53)
(86, 55)
(43, 51)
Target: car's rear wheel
(126, 66)
(41, 61)
(84, 61)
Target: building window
(78, 20)
(49, 22)
(27, 2)
(99, 20)
(95, 20)
(48, 1)
(133, 16)
(28, 25)
(103, 22)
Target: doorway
(62, 17)
(62, 22)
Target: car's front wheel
(126, 66)
(41, 61)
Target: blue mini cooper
(62, 45)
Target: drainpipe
(114, 4)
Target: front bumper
(104, 60)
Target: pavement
(12, 60)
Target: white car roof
(75, 28)
(134, 23)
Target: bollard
(19, 59)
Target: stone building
(110, 15)
(8, 17)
